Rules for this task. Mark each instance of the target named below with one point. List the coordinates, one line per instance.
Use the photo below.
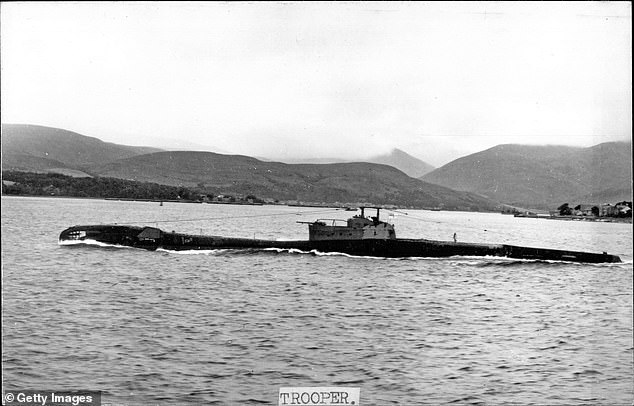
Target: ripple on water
(227, 327)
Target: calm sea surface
(232, 327)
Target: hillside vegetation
(30, 148)
(542, 176)
(54, 184)
(341, 182)
(26, 146)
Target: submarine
(360, 235)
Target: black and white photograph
(316, 203)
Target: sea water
(232, 327)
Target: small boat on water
(358, 236)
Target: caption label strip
(51, 398)
(313, 396)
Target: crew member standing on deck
(454, 238)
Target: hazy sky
(346, 80)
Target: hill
(29, 163)
(34, 148)
(330, 183)
(397, 158)
(542, 176)
(54, 184)
(401, 160)
(40, 148)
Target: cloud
(322, 79)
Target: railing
(334, 221)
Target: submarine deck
(152, 238)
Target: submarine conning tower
(358, 227)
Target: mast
(362, 208)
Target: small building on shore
(586, 210)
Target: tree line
(566, 210)
(53, 184)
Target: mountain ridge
(44, 149)
(339, 182)
(396, 158)
(542, 176)
(403, 161)
(70, 148)
(539, 177)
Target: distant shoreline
(592, 219)
(126, 199)
(627, 220)
(574, 218)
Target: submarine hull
(153, 238)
